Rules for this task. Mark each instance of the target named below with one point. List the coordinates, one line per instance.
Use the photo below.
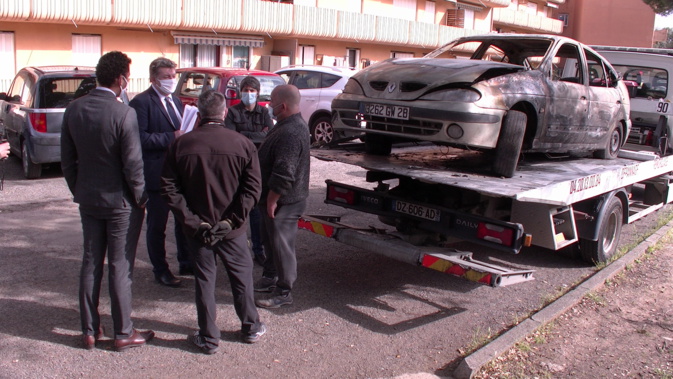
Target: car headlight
(453, 94)
(353, 87)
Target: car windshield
(59, 92)
(266, 82)
(527, 52)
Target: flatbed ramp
(537, 179)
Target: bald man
(284, 160)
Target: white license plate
(390, 111)
(427, 213)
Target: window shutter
(455, 17)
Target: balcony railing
(261, 17)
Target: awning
(469, 7)
(196, 39)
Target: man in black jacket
(211, 180)
(284, 159)
(253, 121)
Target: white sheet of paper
(189, 118)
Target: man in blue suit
(159, 119)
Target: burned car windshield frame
(514, 51)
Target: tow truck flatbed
(539, 179)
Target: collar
(106, 89)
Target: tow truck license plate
(427, 213)
(390, 111)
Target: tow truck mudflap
(450, 261)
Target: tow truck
(429, 197)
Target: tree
(668, 43)
(660, 7)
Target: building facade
(259, 34)
(608, 22)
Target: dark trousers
(238, 264)
(157, 218)
(279, 235)
(115, 231)
(256, 231)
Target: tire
(376, 144)
(30, 169)
(613, 145)
(509, 144)
(322, 131)
(608, 234)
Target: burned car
(506, 93)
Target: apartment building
(608, 22)
(260, 34)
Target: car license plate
(391, 111)
(427, 213)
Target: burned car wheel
(376, 144)
(613, 145)
(509, 144)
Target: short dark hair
(110, 66)
(160, 63)
(250, 81)
(211, 104)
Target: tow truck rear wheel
(376, 144)
(30, 170)
(509, 144)
(608, 234)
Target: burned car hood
(409, 78)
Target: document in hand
(189, 117)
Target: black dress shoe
(186, 271)
(136, 339)
(89, 341)
(167, 279)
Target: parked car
(194, 80)
(506, 93)
(31, 112)
(318, 86)
(648, 72)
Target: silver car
(502, 92)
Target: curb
(471, 364)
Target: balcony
(314, 22)
(207, 15)
(78, 11)
(527, 21)
(356, 26)
(265, 17)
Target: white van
(648, 72)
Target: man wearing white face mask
(253, 121)
(159, 118)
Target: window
(241, 57)
(16, 92)
(353, 57)
(306, 54)
(196, 82)
(307, 79)
(455, 17)
(399, 54)
(86, 49)
(59, 92)
(328, 80)
(644, 82)
(7, 69)
(429, 12)
(563, 17)
(199, 55)
(566, 65)
(405, 9)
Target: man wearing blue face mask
(253, 121)
(159, 120)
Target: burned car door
(605, 101)
(568, 100)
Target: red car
(193, 80)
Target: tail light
(39, 122)
(342, 195)
(495, 233)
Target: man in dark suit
(102, 164)
(159, 118)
